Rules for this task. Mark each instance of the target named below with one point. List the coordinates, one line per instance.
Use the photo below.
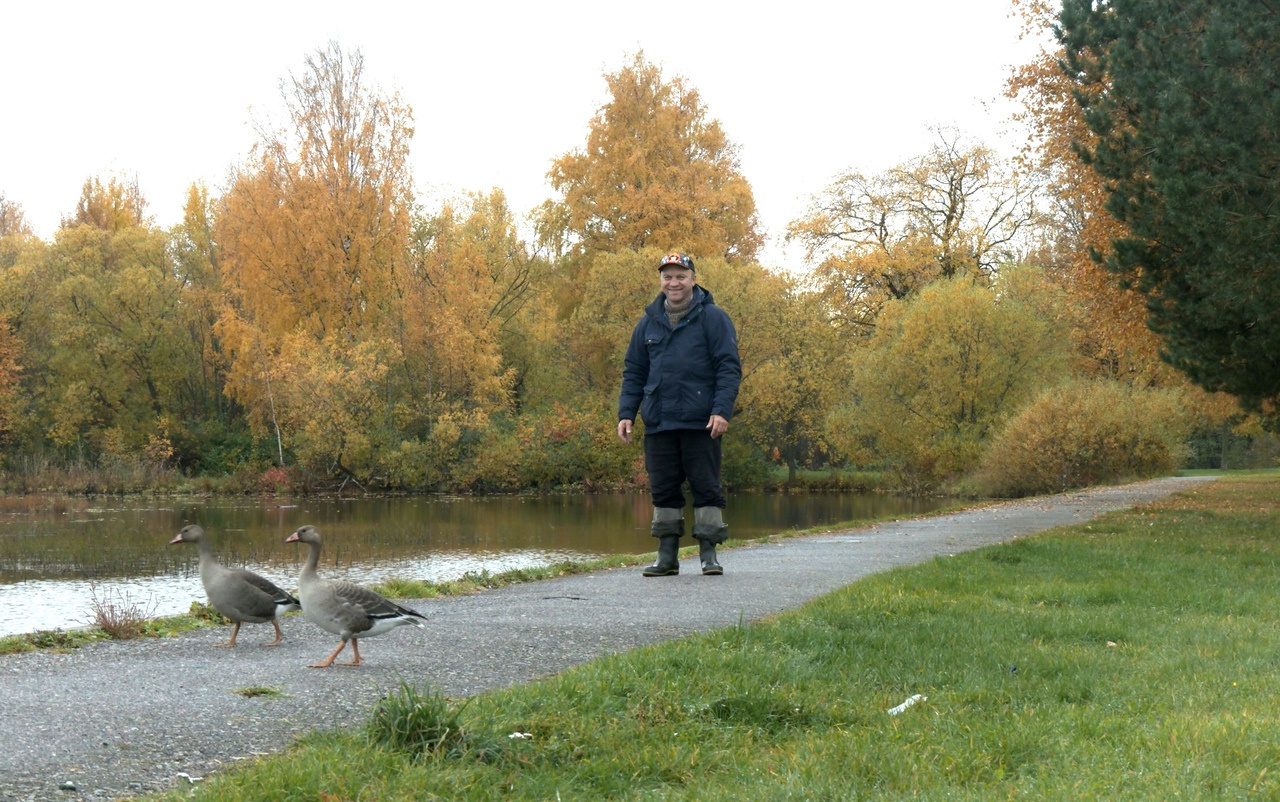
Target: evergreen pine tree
(1185, 99)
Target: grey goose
(237, 593)
(346, 609)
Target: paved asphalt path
(117, 719)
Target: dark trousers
(674, 457)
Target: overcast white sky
(168, 91)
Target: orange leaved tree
(313, 233)
(656, 171)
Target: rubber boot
(668, 526)
(707, 553)
(710, 530)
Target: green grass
(418, 724)
(1134, 657)
(56, 640)
(59, 640)
(260, 692)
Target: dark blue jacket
(679, 378)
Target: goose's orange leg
(279, 633)
(234, 631)
(355, 648)
(329, 662)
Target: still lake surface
(57, 555)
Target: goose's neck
(312, 561)
(206, 551)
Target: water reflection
(56, 554)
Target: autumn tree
(314, 230)
(1187, 149)
(338, 404)
(13, 226)
(105, 345)
(13, 229)
(13, 222)
(470, 277)
(10, 373)
(795, 368)
(562, 379)
(115, 205)
(402, 408)
(1108, 323)
(24, 310)
(534, 347)
(942, 371)
(656, 171)
(196, 258)
(614, 292)
(15, 238)
(957, 210)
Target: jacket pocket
(649, 409)
(697, 403)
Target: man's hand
(624, 430)
(718, 426)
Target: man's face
(677, 283)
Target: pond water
(60, 556)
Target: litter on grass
(893, 711)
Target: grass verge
(1134, 657)
(109, 627)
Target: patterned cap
(677, 259)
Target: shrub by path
(122, 718)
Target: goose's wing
(376, 609)
(279, 596)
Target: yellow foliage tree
(115, 205)
(793, 362)
(315, 226)
(957, 210)
(10, 372)
(470, 277)
(23, 288)
(655, 172)
(335, 402)
(26, 306)
(196, 261)
(13, 232)
(941, 371)
(115, 366)
(13, 221)
(614, 291)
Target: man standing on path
(682, 372)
